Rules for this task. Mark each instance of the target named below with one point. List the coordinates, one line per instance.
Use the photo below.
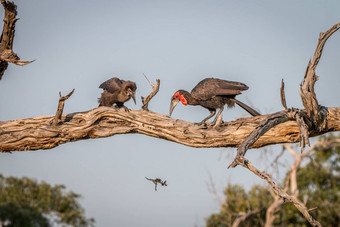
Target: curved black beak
(173, 104)
(132, 95)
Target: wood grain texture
(39, 132)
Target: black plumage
(212, 93)
(117, 92)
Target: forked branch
(59, 113)
(281, 193)
(316, 112)
(313, 120)
(155, 89)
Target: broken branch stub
(155, 89)
(282, 93)
(59, 113)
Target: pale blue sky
(80, 44)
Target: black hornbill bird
(117, 91)
(212, 93)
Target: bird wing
(211, 87)
(112, 85)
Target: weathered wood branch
(290, 181)
(283, 96)
(155, 89)
(268, 123)
(38, 133)
(308, 96)
(310, 121)
(281, 193)
(291, 177)
(7, 36)
(59, 113)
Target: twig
(155, 89)
(212, 189)
(311, 209)
(283, 97)
(242, 216)
(62, 99)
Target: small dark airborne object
(157, 181)
(212, 93)
(117, 92)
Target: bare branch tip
(283, 97)
(147, 79)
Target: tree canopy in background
(319, 186)
(26, 202)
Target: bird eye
(176, 96)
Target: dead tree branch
(242, 216)
(7, 36)
(281, 193)
(59, 113)
(316, 112)
(309, 122)
(268, 123)
(155, 89)
(291, 180)
(283, 97)
(38, 133)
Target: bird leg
(121, 105)
(212, 113)
(217, 116)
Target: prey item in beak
(132, 95)
(173, 104)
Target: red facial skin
(181, 98)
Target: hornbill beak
(173, 104)
(133, 96)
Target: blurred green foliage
(318, 183)
(25, 202)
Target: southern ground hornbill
(117, 92)
(212, 93)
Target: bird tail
(246, 108)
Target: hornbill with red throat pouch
(212, 93)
